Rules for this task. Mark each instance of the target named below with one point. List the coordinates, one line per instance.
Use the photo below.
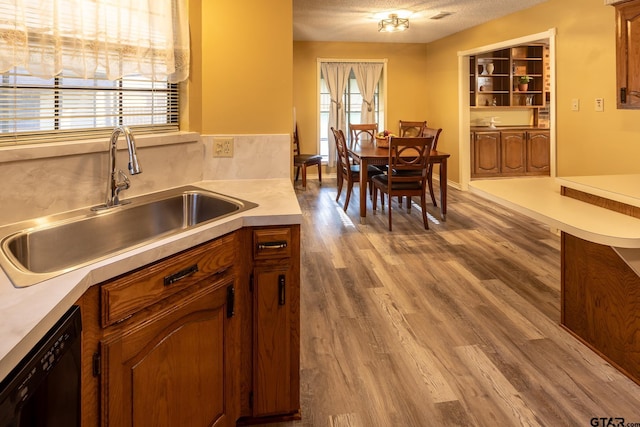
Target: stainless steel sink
(39, 249)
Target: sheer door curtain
(336, 75)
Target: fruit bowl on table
(382, 141)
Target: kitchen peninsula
(600, 290)
(260, 243)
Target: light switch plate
(575, 104)
(599, 104)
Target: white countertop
(28, 313)
(540, 198)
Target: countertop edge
(619, 188)
(540, 199)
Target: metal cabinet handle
(173, 278)
(279, 244)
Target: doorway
(465, 114)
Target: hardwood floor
(454, 326)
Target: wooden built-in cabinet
(509, 153)
(159, 343)
(627, 54)
(485, 154)
(276, 325)
(192, 340)
(600, 301)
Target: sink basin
(39, 249)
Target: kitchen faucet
(114, 186)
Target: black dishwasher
(44, 389)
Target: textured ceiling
(357, 20)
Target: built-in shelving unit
(494, 78)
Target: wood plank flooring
(454, 326)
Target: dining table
(372, 154)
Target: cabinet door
(276, 365)
(513, 151)
(538, 153)
(628, 54)
(168, 368)
(485, 155)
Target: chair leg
(297, 172)
(340, 182)
(423, 205)
(320, 172)
(304, 176)
(349, 189)
(389, 209)
(430, 182)
(374, 198)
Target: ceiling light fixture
(393, 24)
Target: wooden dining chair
(407, 129)
(407, 173)
(347, 171)
(362, 133)
(302, 161)
(435, 133)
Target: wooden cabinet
(513, 153)
(168, 369)
(207, 337)
(495, 77)
(628, 54)
(485, 154)
(510, 153)
(160, 343)
(538, 152)
(600, 298)
(276, 322)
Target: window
(72, 69)
(44, 110)
(352, 101)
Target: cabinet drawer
(123, 297)
(270, 243)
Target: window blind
(35, 110)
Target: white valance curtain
(336, 75)
(117, 37)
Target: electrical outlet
(599, 104)
(575, 104)
(223, 147)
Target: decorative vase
(490, 68)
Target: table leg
(364, 165)
(443, 189)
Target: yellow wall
(241, 77)
(406, 81)
(588, 142)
